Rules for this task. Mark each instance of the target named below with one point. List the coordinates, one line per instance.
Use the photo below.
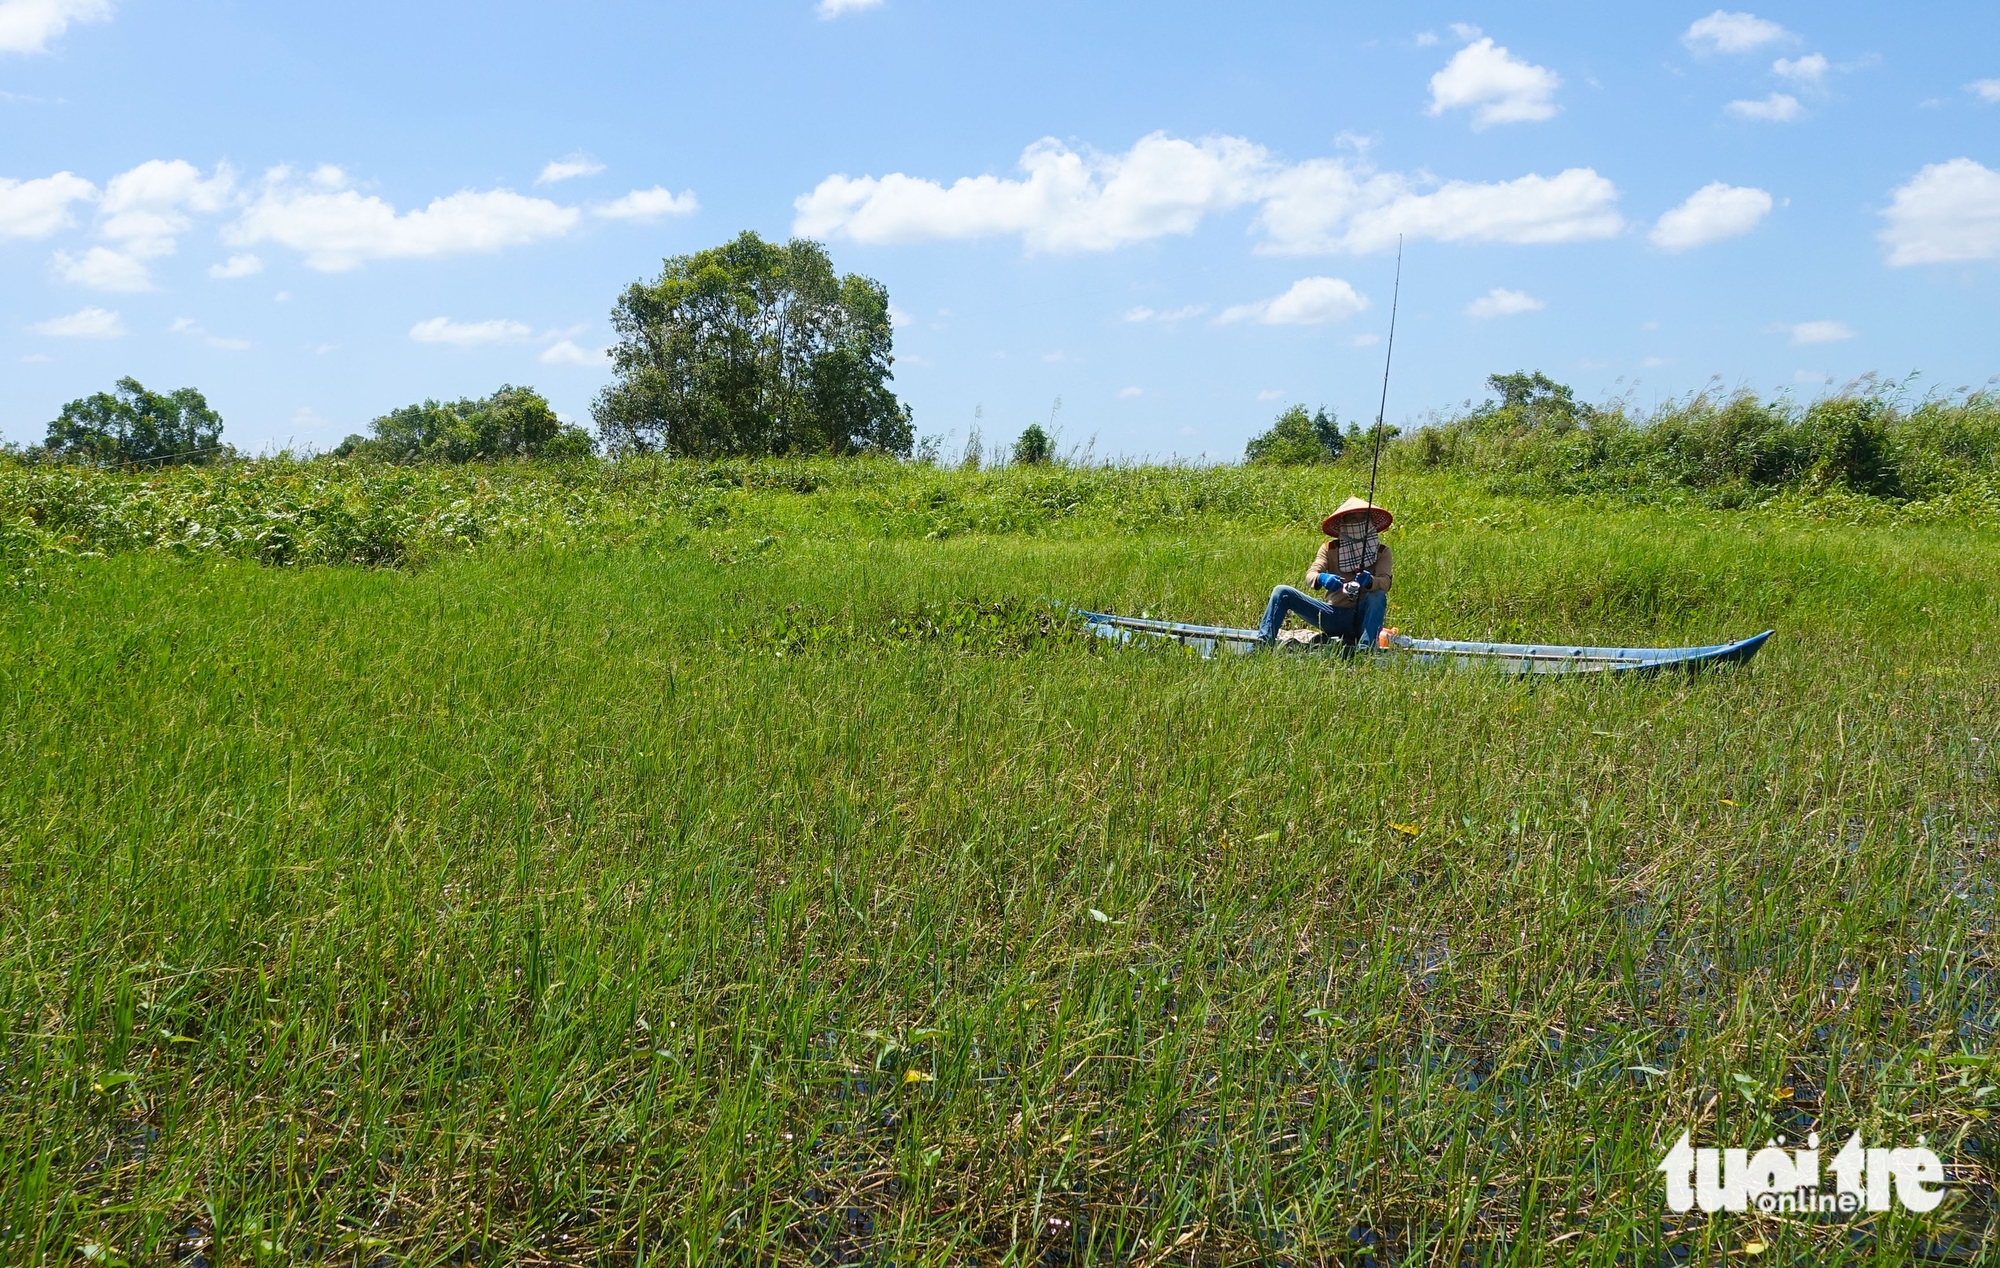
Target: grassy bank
(355, 512)
(518, 908)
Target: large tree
(753, 348)
(1531, 400)
(1298, 439)
(134, 427)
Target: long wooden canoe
(1520, 658)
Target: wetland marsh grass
(524, 908)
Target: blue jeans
(1360, 624)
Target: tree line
(1532, 436)
(748, 349)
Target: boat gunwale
(1533, 653)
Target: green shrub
(1033, 448)
(1845, 444)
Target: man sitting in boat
(1352, 569)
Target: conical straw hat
(1354, 506)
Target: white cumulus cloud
(1712, 213)
(567, 352)
(1948, 213)
(1987, 90)
(337, 228)
(38, 208)
(562, 169)
(103, 269)
(85, 323)
(1067, 201)
(143, 212)
(649, 204)
(27, 26)
(1811, 332)
(146, 208)
(830, 9)
(1130, 393)
(1722, 32)
(1495, 85)
(1501, 302)
(1779, 107)
(1326, 205)
(1809, 70)
(1088, 201)
(469, 334)
(1311, 301)
(244, 265)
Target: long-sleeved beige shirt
(1323, 562)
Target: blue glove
(1367, 580)
(1328, 581)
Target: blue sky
(1175, 217)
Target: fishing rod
(1388, 357)
(1381, 414)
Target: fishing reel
(1363, 580)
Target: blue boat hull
(1521, 658)
(1533, 658)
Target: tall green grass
(286, 512)
(526, 908)
(1864, 451)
